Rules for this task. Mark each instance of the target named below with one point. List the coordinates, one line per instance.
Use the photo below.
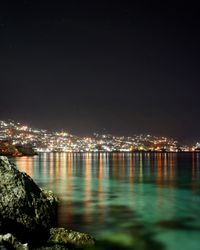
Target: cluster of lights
(45, 141)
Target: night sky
(123, 67)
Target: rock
(70, 238)
(8, 241)
(28, 212)
(53, 199)
(25, 210)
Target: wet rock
(53, 199)
(8, 241)
(70, 238)
(24, 208)
(28, 212)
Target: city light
(15, 133)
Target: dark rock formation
(28, 213)
(53, 199)
(70, 238)
(24, 208)
(63, 239)
(8, 241)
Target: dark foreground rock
(8, 241)
(60, 239)
(70, 238)
(24, 207)
(63, 239)
(53, 199)
(28, 213)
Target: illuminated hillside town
(14, 134)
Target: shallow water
(125, 198)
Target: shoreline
(102, 152)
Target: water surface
(115, 196)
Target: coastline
(106, 152)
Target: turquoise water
(125, 199)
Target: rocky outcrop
(50, 196)
(60, 239)
(24, 207)
(63, 239)
(27, 214)
(8, 241)
(70, 238)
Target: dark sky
(128, 67)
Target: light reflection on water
(124, 194)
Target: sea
(125, 200)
